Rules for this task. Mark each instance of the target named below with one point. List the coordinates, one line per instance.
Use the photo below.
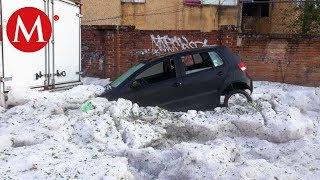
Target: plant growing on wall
(309, 19)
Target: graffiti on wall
(165, 44)
(91, 57)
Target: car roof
(193, 50)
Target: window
(134, 1)
(192, 2)
(196, 62)
(216, 60)
(201, 61)
(125, 76)
(159, 72)
(220, 2)
(211, 2)
(257, 8)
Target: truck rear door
(66, 42)
(21, 68)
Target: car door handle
(220, 73)
(177, 84)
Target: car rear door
(202, 75)
(158, 85)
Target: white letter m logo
(37, 25)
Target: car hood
(109, 93)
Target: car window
(127, 74)
(201, 61)
(216, 60)
(197, 62)
(197, 58)
(154, 70)
(159, 72)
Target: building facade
(280, 16)
(205, 16)
(118, 34)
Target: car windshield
(127, 74)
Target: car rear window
(216, 59)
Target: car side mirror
(136, 85)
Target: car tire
(240, 92)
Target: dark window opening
(258, 8)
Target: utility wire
(274, 1)
(148, 13)
(179, 9)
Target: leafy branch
(309, 19)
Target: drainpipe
(239, 23)
(118, 51)
(220, 37)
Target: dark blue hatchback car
(197, 79)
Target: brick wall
(93, 52)
(288, 59)
(109, 51)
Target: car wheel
(236, 97)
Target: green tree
(309, 19)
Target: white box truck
(40, 44)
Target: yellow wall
(173, 15)
(96, 12)
(160, 15)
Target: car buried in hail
(194, 79)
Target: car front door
(160, 84)
(203, 73)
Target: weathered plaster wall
(158, 15)
(101, 12)
(174, 15)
